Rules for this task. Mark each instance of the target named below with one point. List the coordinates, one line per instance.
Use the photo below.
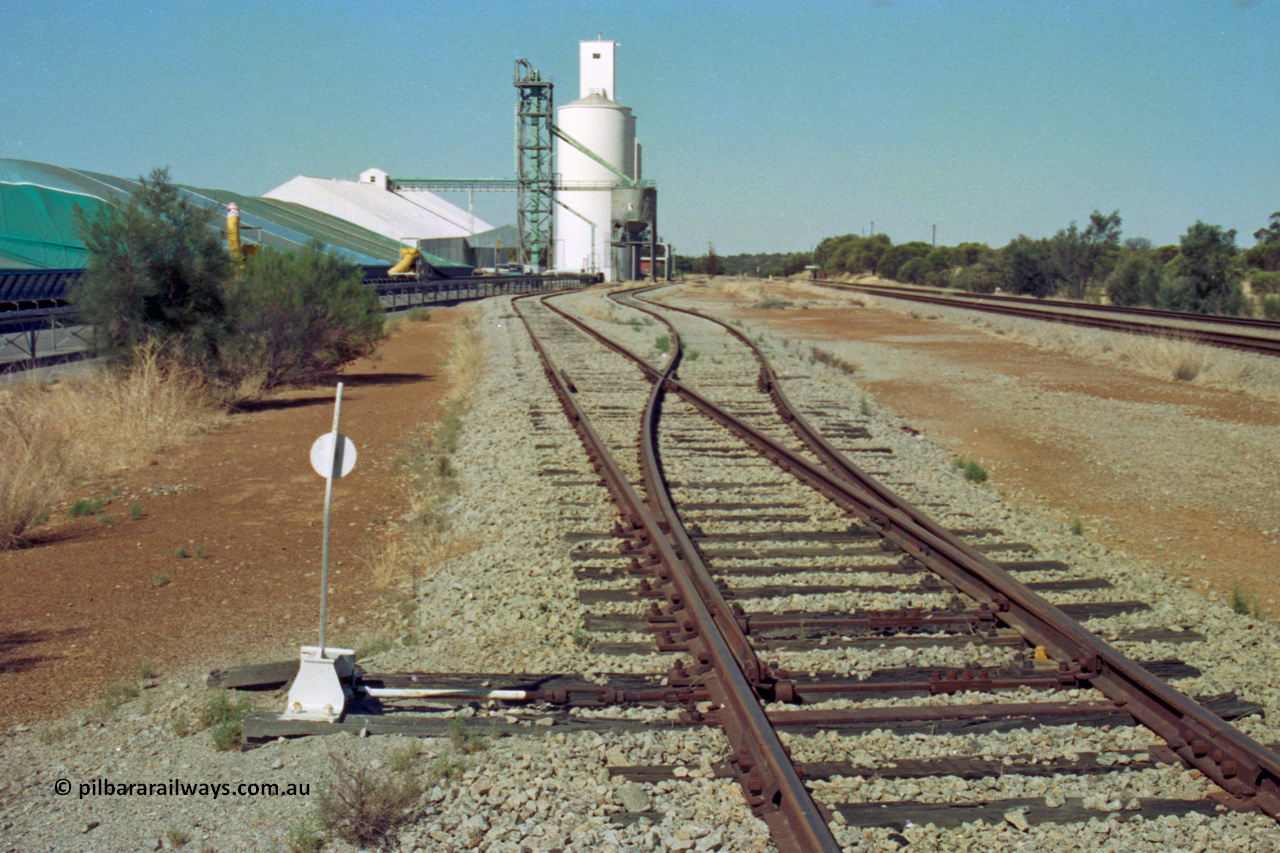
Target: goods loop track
(1239, 333)
(693, 612)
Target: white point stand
(318, 692)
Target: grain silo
(599, 199)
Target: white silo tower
(589, 189)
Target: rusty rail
(1245, 769)
(1076, 314)
(760, 761)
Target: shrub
(85, 507)
(304, 837)
(1135, 281)
(364, 808)
(117, 693)
(1271, 307)
(1028, 266)
(986, 276)
(835, 362)
(224, 718)
(297, 316)
(1263, 282)
(915, 271)
(463, 741)
(1246, 603)
(156, 270)
(971, 470)
(893, 257)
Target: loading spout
(407, 258)
(233, 233)
(239, 251)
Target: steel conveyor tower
(535, 173)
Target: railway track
(753, 579)
(762, 628)
(1239, 333)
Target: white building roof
(416, 215)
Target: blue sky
(766, 125)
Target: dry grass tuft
(33, 467)
(596, 310)
(748, 290)
(429, 542)
(1183, 358)
(54, 435)
(364, 807)
(835, 362)
(411, 559)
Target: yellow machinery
(407, 258)
(239, 251)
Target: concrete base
(321, 689)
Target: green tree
(1028, 264)
(825, 254)
(1134, 281)
(1204, 278)
(156, 270)
(298, 316)
(1077, 257)
(968, 254)
(1271, 233)
(986, 275)
(895, 256)
(1265, 256)
(863, 254)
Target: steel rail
(1010, 299)
(1244, 768)
(761, 764)
(1227, 340)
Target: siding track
(1239, 333)
(762, 552)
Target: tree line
(1206, 272)
(761, 264)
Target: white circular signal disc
(322, 455)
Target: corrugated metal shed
(410, 217)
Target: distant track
(1227, 332)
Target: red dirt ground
(84, 604)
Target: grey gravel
(510, 605)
